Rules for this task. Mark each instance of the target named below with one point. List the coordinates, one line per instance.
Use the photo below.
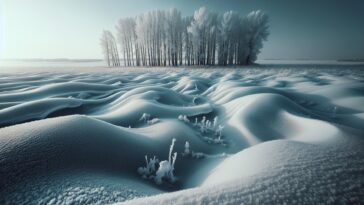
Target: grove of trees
(166, 38)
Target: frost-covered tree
(229, 38)
(203, 29)
(109, 49)
(127, 39)
(187, 41)
(174, 36)
(257, 31)
(165, 38)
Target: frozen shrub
(198, 155)
(203, 120)
(166, 168)
(117, 83)
(187, 152)
(215, 140)
(196, 122)
(153, 121)
(219, 131)
(202, 128)
(171, 149)
(187, 148)
(208, 124)
(203, 125)
(183, 118)
(196, 88)
(215, 121)
(149, 170)
(163, 172)
(145, 117)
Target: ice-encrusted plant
(212, 129)
(187, 148)
(189, 153)
(196, 122)
(203, 127)
(165, 170)
(218, 131)
(149, 170)
(145, 117)
(183, 118)
(196, 88)
(215, 121)
(153, 121)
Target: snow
(279, 172)
(254, 135)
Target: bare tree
(109, 48)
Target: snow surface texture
(263, 135)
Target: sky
(309, 29)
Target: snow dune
(287, 135)
(279, 172)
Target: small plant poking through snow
(190, 153)
(183, 118)
(207, 127)
(145, 117)
(187, 148)
(210, 128)
(219, 131)
(166, 168)
(215, 121)
(117, 83)
(196, 88)
(153, 121)
(149, 170)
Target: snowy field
(271, 134)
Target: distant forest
(165, 38)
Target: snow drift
(253, 135)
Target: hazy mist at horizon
(321, 29)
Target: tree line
(165, 38)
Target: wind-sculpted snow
(254, 135)
(279, 172)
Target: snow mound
(249, 124)
(252, 135)
(278, 172)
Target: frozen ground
(283, 134)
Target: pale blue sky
(320, 29)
